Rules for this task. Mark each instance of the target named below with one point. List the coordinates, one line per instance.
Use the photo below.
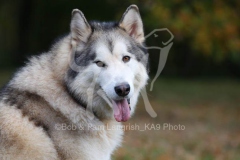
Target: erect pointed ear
(80, 29)
(131, 22)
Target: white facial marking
(120, 48)
(103, 53)
(116, 71)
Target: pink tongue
(121, 110)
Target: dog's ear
(80, 29)
(131, 22)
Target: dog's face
(110, 63)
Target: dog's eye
(100, 64)
(126, 59)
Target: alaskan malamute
(65, 104)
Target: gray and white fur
(51, 92)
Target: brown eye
(100, 64)
(126, 59)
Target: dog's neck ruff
(80, 103)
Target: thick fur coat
(63, 103)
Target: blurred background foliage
(206, 32)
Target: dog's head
(109, 63)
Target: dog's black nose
(122, 89)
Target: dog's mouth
(121, 109)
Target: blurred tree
(24, 20)
(207, 33)
(209, 28)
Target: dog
(64, 104)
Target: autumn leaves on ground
(197, 120)
(208, 109)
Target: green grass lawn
(208, 109)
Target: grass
(210, 112)
(209, 109)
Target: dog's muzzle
(122, 90)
